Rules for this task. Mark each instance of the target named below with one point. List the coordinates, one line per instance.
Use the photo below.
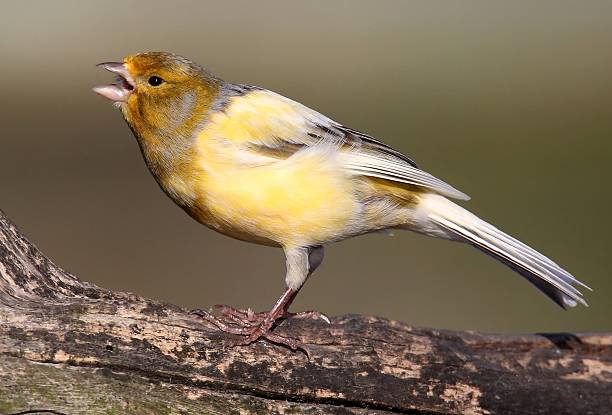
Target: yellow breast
(305, 199)
(299, 201)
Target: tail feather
(535, 255)
(547, 276)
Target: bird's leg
(253, 331)
(301, 262)
(262, 330)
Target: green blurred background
(508, 101)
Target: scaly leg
(301, 262)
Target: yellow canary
(259, 167)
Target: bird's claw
(314, 315)
(253, 326)
(252, 317)
(239, 314)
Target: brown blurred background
(510, 102)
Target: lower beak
(119, 92)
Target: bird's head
(160, 93)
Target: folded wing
(280, 127)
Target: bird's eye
(155, 81)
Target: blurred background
(509, 101)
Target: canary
(259, 167)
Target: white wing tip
(454, 193)
(462, 196)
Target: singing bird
(260, 167)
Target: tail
(441, 217)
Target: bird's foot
(248, 316)
(255, 326)
(250, 326)
(240, 316)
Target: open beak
(120, 91)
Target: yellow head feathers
(169, 92)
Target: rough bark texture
(75, 348)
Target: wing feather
(291, 126)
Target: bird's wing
(279, 127)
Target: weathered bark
(75, 348)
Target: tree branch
(72, 347)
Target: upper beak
(121, 91)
